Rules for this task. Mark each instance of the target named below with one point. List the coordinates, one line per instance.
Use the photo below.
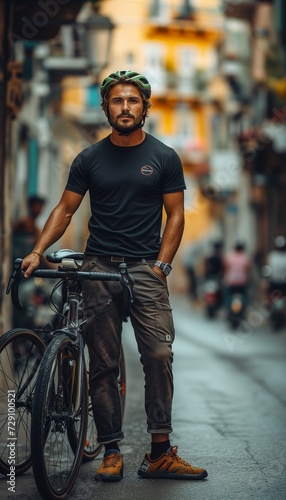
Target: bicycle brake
(15, 275)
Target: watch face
(166, 269)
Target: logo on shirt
(147, 170)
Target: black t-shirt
(126, 187)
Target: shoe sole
(170, 475)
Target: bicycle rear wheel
(21, 352)
(92, 447)
(54, 417)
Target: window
(154, 54)
(160, 9)
(186, 67)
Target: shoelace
(173, 451)
(111, 460)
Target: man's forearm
(54, 228)
(171, 238)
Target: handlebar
(17, 275)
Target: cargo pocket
(164, 323)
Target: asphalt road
(229, 415)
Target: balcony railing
(184, 15)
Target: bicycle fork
(70, 373)
(79, 377)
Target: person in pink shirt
(236, 271)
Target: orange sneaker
(169, 466)
(111, 468)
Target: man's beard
(126, 129)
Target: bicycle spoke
(20, 355)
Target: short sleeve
(173, 178)
(78, 177)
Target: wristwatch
(166, 268)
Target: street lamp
(90, 56)
(98, 34)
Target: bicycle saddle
(65, 253)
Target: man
(130, 176)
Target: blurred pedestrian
(25, 229)
(213, 273)
(25, 235)
(276, 260)
(213, 264)
(237, 268)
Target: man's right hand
(30, 263)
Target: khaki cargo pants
(152, 321)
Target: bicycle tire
(92, 447)
(55, 462)
(21, 352)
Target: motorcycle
(212, 296)
(277, 301)
(236, 308)
(277, 311)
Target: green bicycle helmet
(126, 76)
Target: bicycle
(51, 384)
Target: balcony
(183, 19)
(172, 87)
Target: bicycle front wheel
(21, 352)
(55, 415)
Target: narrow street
(229, 415)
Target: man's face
(125, 108)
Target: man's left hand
(160, 273)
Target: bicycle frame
(70, 325)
